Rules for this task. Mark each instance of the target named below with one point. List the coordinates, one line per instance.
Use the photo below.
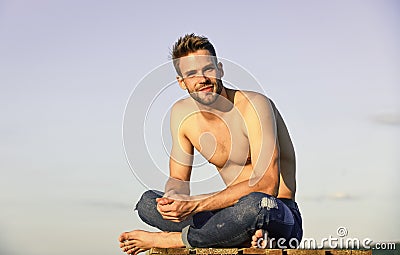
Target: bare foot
(138, 241)
(260, 240)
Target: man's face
(201, 76)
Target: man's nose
(202, 78)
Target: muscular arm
(181, 158)
(174, 204)
(264, 151)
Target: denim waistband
(289, 203)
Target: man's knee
(147, 205)
(151, 195)
(147, 201)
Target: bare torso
(222, 139)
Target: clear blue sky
(67, 69)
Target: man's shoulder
(246, 98)
(182, 104)
(182, 109)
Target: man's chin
(207, 99)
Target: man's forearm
(177, 186)
(231, 195)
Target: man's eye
(209, 70)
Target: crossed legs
(229, 227)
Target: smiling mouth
(207, 89)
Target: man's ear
(220, 70)
(181, 82)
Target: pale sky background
(67, 69)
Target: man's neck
(221, 106)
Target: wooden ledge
(252, 251)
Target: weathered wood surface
(252, 251)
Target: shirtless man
(243, 134)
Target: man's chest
(220, 142)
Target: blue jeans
(232, 226)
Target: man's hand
(176, 207)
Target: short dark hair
(187, 44)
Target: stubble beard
(210, 97)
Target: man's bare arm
(181, 158)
